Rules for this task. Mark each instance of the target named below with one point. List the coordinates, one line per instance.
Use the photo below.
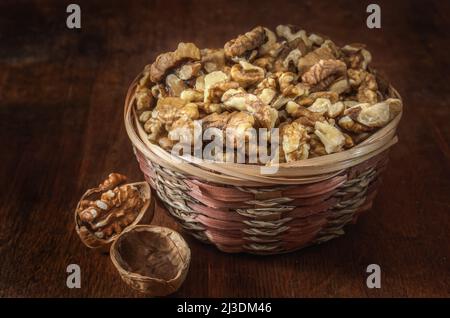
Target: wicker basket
(237, 209)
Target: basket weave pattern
(273, 219)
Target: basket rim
(298, 172)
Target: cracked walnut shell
(105, 211)
(151, 259)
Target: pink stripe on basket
(312, 200)
(219, 204)
(230, 214)
(224, 193)
(231, 194)
(234, 234)
(306, 211)
(230, 235)
(314, 189)
(288, 242)
(305, 225)
(219, 224)
(145, 165)
(221, 214)
(206, 200)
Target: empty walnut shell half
(151, 259)
(104, 212)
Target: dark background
(61, 131)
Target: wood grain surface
(61, 115)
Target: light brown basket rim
(299, 172)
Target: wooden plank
(61, 97)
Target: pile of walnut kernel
(323, 98)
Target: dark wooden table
(61, 131)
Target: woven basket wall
(237, 209)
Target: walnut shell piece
(151, 259)
(104, 212)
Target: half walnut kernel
(105, 211)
